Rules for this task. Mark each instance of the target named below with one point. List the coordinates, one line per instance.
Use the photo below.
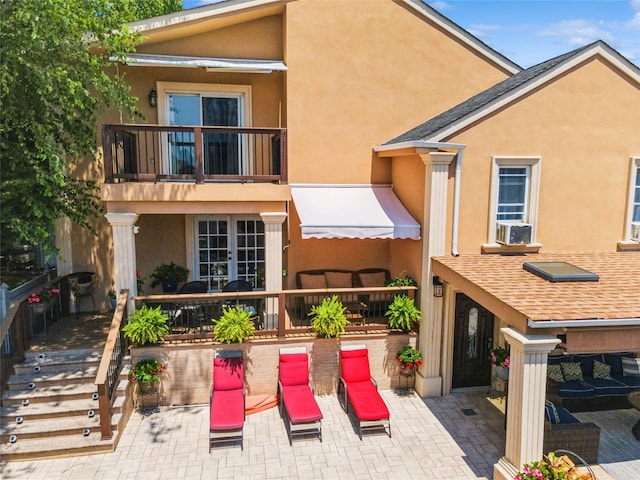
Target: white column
(124, 252)
(525, 400)
(273, 262)
(436, 175)
(64, 260)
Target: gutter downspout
(456, 203)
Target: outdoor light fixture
(153, 97)
(438, 288)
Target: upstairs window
(633, 213)
(513, 186)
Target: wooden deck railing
(276, 314)
(111, 364)
(151, 153)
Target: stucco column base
(428, 386)
(504, 470)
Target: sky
(531, 31)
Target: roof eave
(588, 322)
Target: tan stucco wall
(585, 127)
(187, 379)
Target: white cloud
(634, 24)
(439, 5)
(577, 32)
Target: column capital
(438, 158)
(122, 219)
(529, 343)
(273, 217)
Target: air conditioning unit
(513, 233)
(635, 231)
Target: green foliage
(147, 371)
(55, 79)
(146, 325)
(169, 272)
(329, 319)
(551, 467)
(234, 326)
(405, 281)
(409, 357)
(403, 313)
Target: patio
(459, 436)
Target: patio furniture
(81, 284)
(227, 399)
(564, 431)
(296, 395)
(193, 287)
(361, 390)
(634, 399)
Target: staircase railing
(111, 364)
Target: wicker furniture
(634, 399)
(563, 431)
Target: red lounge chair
(296, 394)
(227, 400)
(361, 390)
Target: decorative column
(273, 262)
(525, 400)
(124, 252)
(436, 176)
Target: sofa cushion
(550, 412)
(571, 371)
(631, 367)
(606, 387)
(339, 279)
(586, 362)
(601, 370)
(310, 281)
(615, 360)
(575, 389)
(373, 279)
(632, 382)
(554, 372)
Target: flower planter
(502, 373)
(39, 308)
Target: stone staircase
(51, 407)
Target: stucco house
(382, 135)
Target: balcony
(161, 153)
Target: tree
(55, 79)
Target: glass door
(230, 248)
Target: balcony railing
(198, 154)
(279, 313)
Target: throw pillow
(554, 372)
(631, 367)
(308, 281)
(339, 279)
(551, 412)
(571, 371)
(375, 279)
(601, 370)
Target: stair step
(57, 361)
(43, 410)
(50, 447)
(75, 374)
(49, 393)
(53, 427)
(49, 356)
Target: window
(633, 214)
(229, 248)
(205, 105)
(515, 183)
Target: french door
(223, 153)
(229, 248)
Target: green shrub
(234, 326)
(329, 319)
(403, 313)
(405, 281)
(146, 325)
(169, 272)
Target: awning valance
(210, 64)
(352, 211)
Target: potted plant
(409, 359)
(552, 467)
(234, 326)
(329, 318)
(146, 325)
(404, 281)
(403, 313)
(111, 296)
(500, 359)
(146, 373)
(169, 275)
(41, 300)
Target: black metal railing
(277, 313)
(197, 154)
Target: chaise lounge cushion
(300, 404)
(227, 410)
(366, 401)
(294, 369)
(355, 366)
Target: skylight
(560, 272)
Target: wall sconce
(438, 288)
(153, 97)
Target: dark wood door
(472, 342)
